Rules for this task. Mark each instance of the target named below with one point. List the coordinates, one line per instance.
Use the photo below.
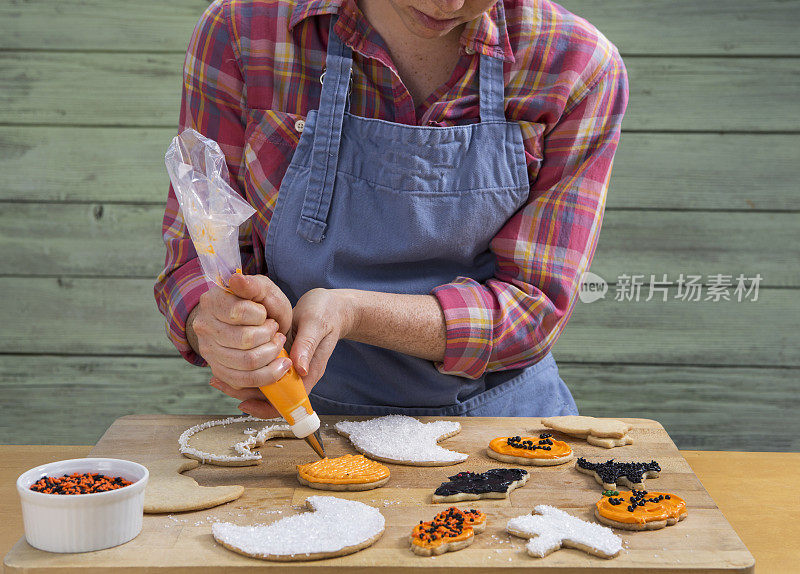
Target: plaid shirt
(252, 71)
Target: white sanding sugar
(256, 437)
(550, 526)
(334, 524)
(401, 438)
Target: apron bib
(379, 206)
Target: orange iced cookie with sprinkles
(450, 530)
(640, 509)
(541, 451)
(348, 472)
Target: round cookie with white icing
(550, 529)
(403, 440)
(231, 441)
(335, 527)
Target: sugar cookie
(542, 451)
(494, 483)
(230, 442)
(609, 442)
(450, 530)
(549, 529)
(170, 491)
(336, 527)
(611, 473)
(348, 472)
(579, 426)
(641, 510)
(403, 440)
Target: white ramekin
(83, 522)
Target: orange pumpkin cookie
(450, 530)
(640, 510)
(542, 451)
(348, 472)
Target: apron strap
(492, 90)
(327, 138)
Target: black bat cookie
(494, 483)
(611, 473)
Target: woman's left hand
(320, 318)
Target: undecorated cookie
(403, 440)
(348, 472)
(609, 442)
(579, 426)
(641, 510)
(170, 491)
(231, 441)
(549, 529)
(335, 527)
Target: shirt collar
(486, 34)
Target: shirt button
(300, 125)
(469, 51)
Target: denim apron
(379, 206)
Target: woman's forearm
(410, 324)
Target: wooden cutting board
(174, 543)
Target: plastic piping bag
(212, 211)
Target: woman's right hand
(240, 334)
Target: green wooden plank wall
(705, 183)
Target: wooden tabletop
(745, 486)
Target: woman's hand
(240, 334)
(320, 318)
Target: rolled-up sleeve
(213, 104)
(514, 319)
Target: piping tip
(315, 441)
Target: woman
(429, 178)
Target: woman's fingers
(244, 337)
(244, 394)
(259, 289)
(260, 409)
(319, 361)
(250, 359)
(252, 378)
(253, 402)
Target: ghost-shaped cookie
(403, 440)
(549, 529)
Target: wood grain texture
(704, 542)
(57, 163)
(753, 409)
(651, 171)
(118, 316)
(637, 27)
(758, 519)
(125, 240)
(143, 90)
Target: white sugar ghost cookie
(231, 441)
(170, 491)
(403, 440)
(335, 527)
(550, 529)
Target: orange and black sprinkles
(77, 483)
(449, 524)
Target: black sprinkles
(610, 471)
(493, 480)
